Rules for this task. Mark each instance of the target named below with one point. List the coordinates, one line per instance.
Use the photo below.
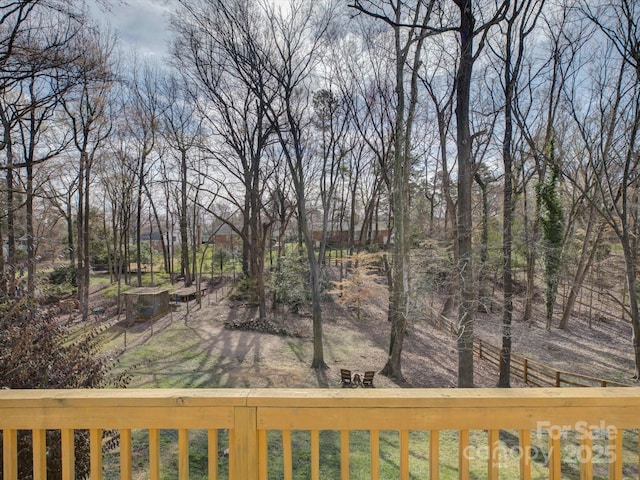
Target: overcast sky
(140, 24)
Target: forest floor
(191, 347)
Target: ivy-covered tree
(552, 220)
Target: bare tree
(370, 91)
(37, 65)
(594, 228)
(218, 44)
(118, 184)
(609, 129)
(468, 31)
(519, 23)
(38, 146)
(183, 132)
(33, 39)
(296, 37)
(411, 25)
(438, 80)
(332, 118)
(144, 121)
(61, 189)
(89, 111)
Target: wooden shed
(146, 303)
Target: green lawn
(181, 354)
(359, 459)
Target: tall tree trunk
(8, 276)
(11, 231)
(504, 379)
(31, 253)
(630, 262)
(353, 195)
(168, 261)
(80, 227)
(258, 238)
(464, 213)
(86, 252)
(105, 234)
(484, 297)
(3, 283)
(318, 362)
(450, 208)
(399, 275)
(587, 254)
(69, 221)
(139, 222)
(532, 234)
(195, 244)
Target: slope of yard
(191, 347)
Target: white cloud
(140, 24)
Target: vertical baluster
(615, 453)
(154, 454)
(39, 455)
(404, 454)
(585, 456)
(434, 454)
(243, 444)
(374, 441)
(263, 451)
(125, 454)
(183, 454)
(463, 454)
(95, 452)
(525, 454)
(10, 453)
(315, 455)
(212, 454)
(555, 457)
(494, 454)
(344, 454)
(287, 455)
(68, 454)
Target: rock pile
(257, 325)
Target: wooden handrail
(249, 415)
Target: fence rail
(538, 374)
(529, 371)
(250, 416)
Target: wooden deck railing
(503, 418)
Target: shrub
(244, 290)
(35, 352)
(64, 274)
(362, 286)
(291, 281)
